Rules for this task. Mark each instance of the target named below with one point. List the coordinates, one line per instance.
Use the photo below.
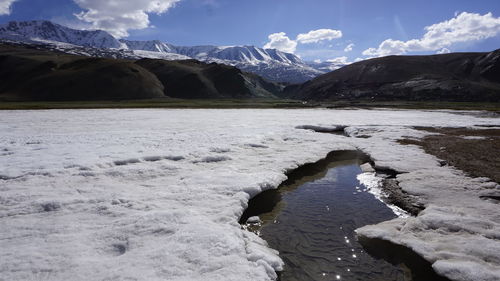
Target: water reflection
(311, 220)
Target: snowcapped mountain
(46, 31)
(269, 63)
(244, 54)
(326, 66)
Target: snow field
(156, 194)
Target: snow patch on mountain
(151, 46)
(326, 66)
(159, 55)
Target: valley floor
(247, 103)
(156, 194)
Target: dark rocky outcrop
(447, 77)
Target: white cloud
(316, 36)
(119, 16)
(281, 42)
(349, 47)
(339, 60)
(443, 51)
(5, 6)
(465, 27)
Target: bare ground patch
(474, 151)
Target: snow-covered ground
(156, 194)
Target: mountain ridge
(272, 64)
(446, 77)
(31, 73)
(47, 31)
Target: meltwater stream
(311, 220)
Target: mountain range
(271, 64)
(33, 73)
(40, 60)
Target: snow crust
(152, 194)
(374, 186)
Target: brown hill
(195, 79)
(28, 73)
(447, 77)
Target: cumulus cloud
(5, 6)
(119, 16)
(443, 51)
(282, 42)
(316, 36)
(464, 27)
(339, 60)
(349, 47)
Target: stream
(310, 219)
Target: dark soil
(398, 197)
(476, 157)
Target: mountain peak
(43, 30)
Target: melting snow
(157, 194)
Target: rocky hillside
(447, 77)
(195, 79)
(31, 74)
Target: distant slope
(447, 77)
(30, 74)
(34, 75)
(269, 63)
(195, 79)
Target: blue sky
(361, 24)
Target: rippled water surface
(311, 220)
